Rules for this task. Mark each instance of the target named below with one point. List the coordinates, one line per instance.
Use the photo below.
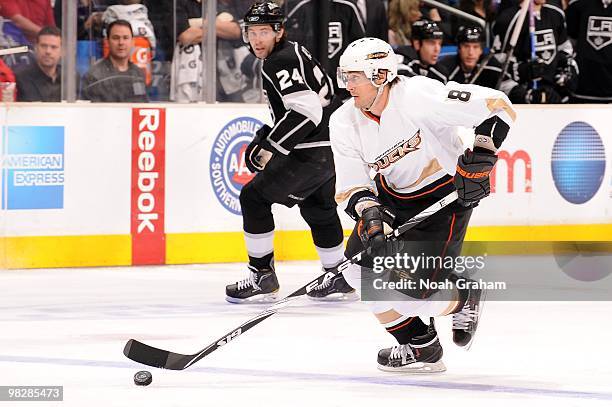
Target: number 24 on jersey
(285, 80)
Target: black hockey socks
(262, 263)
(407, 328)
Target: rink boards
(94, 185)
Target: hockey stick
(150, 356)
(485, 62)
(513, 40)
(15, 50)
(532, 37)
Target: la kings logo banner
(546, 45)
(334, 41)
(599, 32)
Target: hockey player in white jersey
(396, 152)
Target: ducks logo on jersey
(397, 152)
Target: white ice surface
(68, 327)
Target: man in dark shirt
(116, 78)
(422, 57)
(42, 81)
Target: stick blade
(154, 357)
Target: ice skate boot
(333, 289)
(261, 286)
(422, 355)
(465, 322)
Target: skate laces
(403, 352)
(248, 282)
(465, 317)
(325, 284)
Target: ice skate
(261, 286)
(465, 322)
(333, 289)
(422, 355)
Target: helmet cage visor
(355, 78)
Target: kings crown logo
(599, 32)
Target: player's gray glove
(256, 157)
(472, 177)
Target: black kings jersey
(410, 65)
(488, 76)
(345, 26)
(590, 23)
(300, 96)
(551, 44)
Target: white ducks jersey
(415, 141)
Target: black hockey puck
(143, 378)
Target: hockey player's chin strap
(380, 87)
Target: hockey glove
(544, 94)
(566, 75)
(371, 231)
(531, 70)
(255, 156)
(472, 177)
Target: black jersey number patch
(285, 80)
(459, 95)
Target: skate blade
(416, 368)
(256, 299)
(337, 297)
(483, 297)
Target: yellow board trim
(65, 251)
(188, 248)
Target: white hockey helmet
(367, 55)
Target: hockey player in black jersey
(589, 22)
(292, 159)
(551, 77)
(422, 57)
(466, 66)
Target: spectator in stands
(375, 17)
(484, 9)
(186, 84)
(42, 81)
(144, 44)
(551, 75)
(467, 65)
(159, 13)
(116, 78)
(231, 51)
(89, 17)
(29, 16)
(187, 60)
(402, 14)
(588, 23)
(422, 57)
(10, 36)
(138, 16)
(7, 83)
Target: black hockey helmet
(426, 30)
(470, 34)
(263, 13)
